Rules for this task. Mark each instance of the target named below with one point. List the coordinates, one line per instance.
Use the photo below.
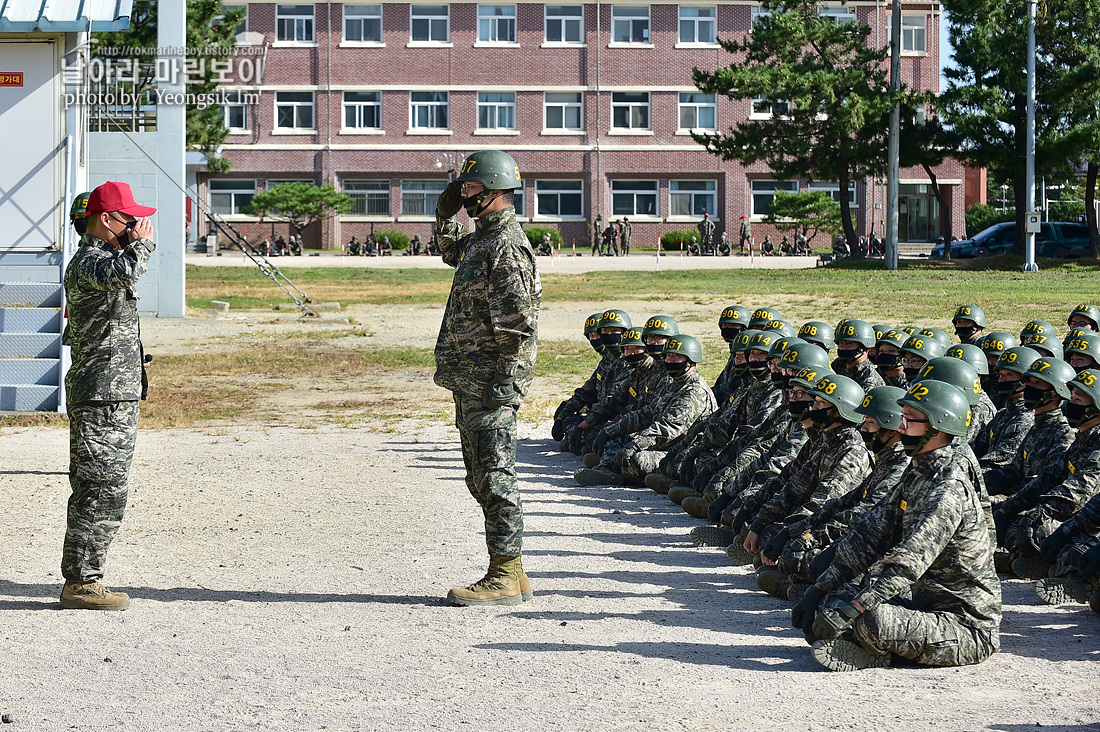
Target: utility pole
(1031, 217)
(893, 154)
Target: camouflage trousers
(635, 465)
(489, 453)
(101, 447)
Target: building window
(236, 111)
(429, 110)
(838, 14)
(496, 110)
(912, 34)
(833, 189)
(697, 25)
(629, 24)
(764, 108)
(496, 23)
(759, 12)
(564, 24)
(294, 23)
(430, 23)
(634, 197)
(562, 110)
(763, 191)
(630, 110)
(363, 110)
(693, 197)
(371, 197)
(363, 23)
(418, 197)
(560, 198)
(697, 111)
(294, 110)
(517, 201)
(230, 197)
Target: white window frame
(494, 108)
(519, 203)
(910, 33)
(708, 194)
(296, 105)
(240, 195)
(432, 20)
(495, 27)
(697, 102)
(628, 16)
(837, 13)
(552, 14)
(758, 13)
(698, 26)
(767, 188)
(235, 100)
(303, 25)
(631, 106)
(363, 191)
(427, 196)
(637, 190)
(833, 189)
(272, 182)
(444, 104)
(360, 107)
(566, 107)
(361, 15)
(553, 189)
(764, 108)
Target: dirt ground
(291, 577)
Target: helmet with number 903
(843, 393)
(944, 405)
(632, 337)
(493, 169)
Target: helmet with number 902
(495, 170)
(615, 318)
(944, 405)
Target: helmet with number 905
(734, 315)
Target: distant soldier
(766, 246)
(610, 248)
(624, 235)
(597, 234)
(724, 245)
(746, 234)
(706, 234)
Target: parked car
(1059, 239)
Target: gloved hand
(1053, 544)
(601, 441)
(774, 548)
(794, 554)
(718, 507)
(831, 622)
(1001, 519)
(822, 561)
(1089, 564)
(500, 390)
(802, 616)
(450, 201)
(558, 430)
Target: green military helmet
(881, 404)
(815, 331)
(856, 331)
(809, 376)
(1053, 371)
(685, 345)
(909, 329)
(1088, 381)
(926, 347)
(734, 315)
(632, 337)
(971, 354)
(843, 393)
(615, 318)
(839, 324)
(1036, 327)
(79, 209)
(970, 312)
(940, 336)
(955, 372)
(1045, 342)
(592, 323)
(805, 355)
(780, 327)
(896, 338)
(944, 405)
(761, 341)
(995, 343)
(881, 329)
(780, 346)
(1017, 360)
(661, 325)
(1086, 344)
(762, 316)
(1073, 333)
(741, 342)
(495, 170)
(1087, 311)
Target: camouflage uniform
(997, 445)
(591, 392)
(865, 374)
(929, 590)
(103, 387)
(727, 382)
(490, 326)
(981, 414)
(741, 487)
(645, 384)
(1045, 444)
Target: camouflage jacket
(491, 320)
(981, 414)
(1063, 489)
(865, 374)
(589, 392)
(1044, 446)
(831, 522)
(997, 445)
(929, 538)
(901, 381)
(726, 382)
(1087, 519)
(842, 463)
(664, 421)
(641, 386)
(758, 492)
(104, 330)
(747, 448)
(756, 475)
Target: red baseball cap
(115, 196)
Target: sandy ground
(291, 578)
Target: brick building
(595, 102)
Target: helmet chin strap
(483, 201)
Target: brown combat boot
(679, 493)
(525, 590)
(591, 460)
(696, 507)
(499, 586)
(92, 596)
(658, 482)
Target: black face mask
(887, 361)
(1078, 414)
(868, 437)
(741, 369)
(780, 380)
(729, 334)
(636, 359)
(758, 369)
(913, 443)
(127, 234)
(822, 416)
(654, 349)
(1035, 397)
(845, 356)
(676, 370)
(1006, 388)
(912, 373)
(597, 345)
(611, 339)
(798, 410)
(965, 334)
(475, 204)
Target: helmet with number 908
(815, 331)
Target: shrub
(398, 240)
(981, 216)
(670, 240)
(1066, 210)
(535, 232)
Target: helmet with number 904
(843, 393)
(881, 404)
(592, 323)
(1053, 371)
(815, 331)
(493, 169)
(661, 325)
(684, 345)
(955, 372)
(944, 405)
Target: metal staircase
(32, 361)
